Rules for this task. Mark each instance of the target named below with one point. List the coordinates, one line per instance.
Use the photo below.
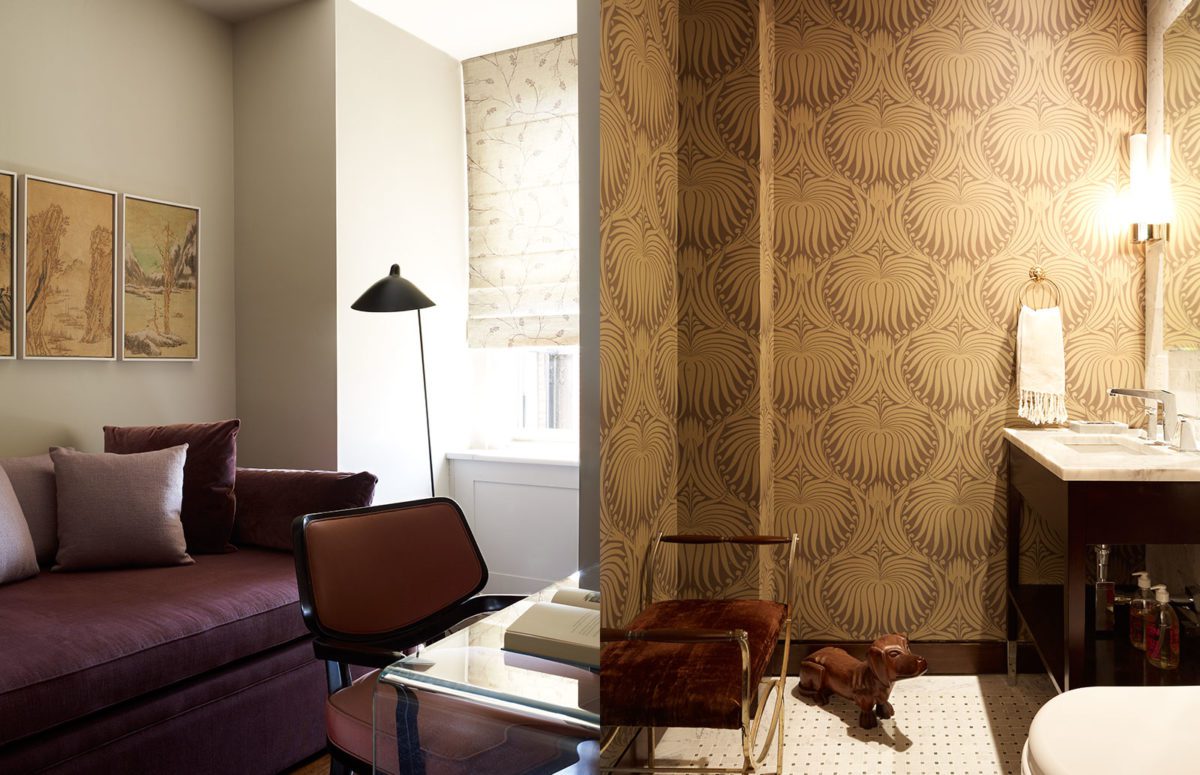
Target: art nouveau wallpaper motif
(638, 302)
(1181, 104)
(725, 285)
(929, 153)
(925, 153)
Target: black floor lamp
(395, 294)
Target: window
(547, 393)
(523, 198)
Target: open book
(565, 630)
(583, 598)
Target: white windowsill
(523, 452)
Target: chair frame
(340, 650)
(750, 722)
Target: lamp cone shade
(392, 294)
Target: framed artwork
(8, 264)
(70, 270)
(160, 282)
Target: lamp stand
(425, 390)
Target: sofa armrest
(268, 499)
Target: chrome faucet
(1166, 398)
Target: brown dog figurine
(867, 683)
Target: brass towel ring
(1039, 281)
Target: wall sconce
(1150, 189)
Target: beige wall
(134, 96)
(286, 222)
(401, 198)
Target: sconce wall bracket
(1151, 232)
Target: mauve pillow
(119, 510)
(32, 480)
(209, 504)
(17, 558)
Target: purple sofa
(204, 668)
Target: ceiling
(237, 10)
(461, 28)
(469, 28)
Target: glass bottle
(1139, 610)
(1162, 632)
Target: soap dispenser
(1187, 435)
(1105, 591)
(1139, 610)
(1162, 632)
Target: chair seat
(450, 736)
(348, 715)
(687, 685)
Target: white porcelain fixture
(1108, 445)
(1105, 457)
(1114, 730)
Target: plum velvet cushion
(17, 558)
(209, 503)
(269, 499)
(78, 643)
(32, 480)
(119, 510)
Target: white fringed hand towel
(1041, 366)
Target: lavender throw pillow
(32, 480)
(17, 559)
(119, 510)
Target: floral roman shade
(523, 195)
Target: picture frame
(160, 280)
(8, 265)
(69, 274)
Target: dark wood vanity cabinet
(1085, 513)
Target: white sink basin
(1111, 445)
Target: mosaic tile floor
(944, 725)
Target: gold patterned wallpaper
(929, 153)
(848, 376)
(638, 293)
(1181, 107)
(726, 298)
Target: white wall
(401, 198)
(286, 237)
(134, 96)
(513, 506)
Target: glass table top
(471, 668)
(506, 679)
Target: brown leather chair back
(366, 573)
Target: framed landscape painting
(70, 270)
(8, 264)
(160, 285)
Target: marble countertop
(1104, 457)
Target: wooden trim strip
(945, 657)
(699, 538)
